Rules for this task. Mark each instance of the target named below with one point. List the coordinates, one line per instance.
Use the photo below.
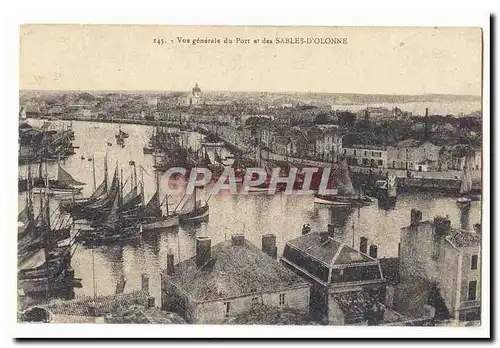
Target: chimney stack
(426, 112)
(269, 245)
(442, 226)
(331, 230)
(170, 264)
(203, 251)
(478, 228)
(237, 239)
(416, 217)
(145, 283)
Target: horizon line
(247, 91)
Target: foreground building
(229, 279)
(434, 252)
(347, 285)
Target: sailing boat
(193, 210)
(113, 227)
(121, 134)
(152, 215)
(76, 206)
(345, 194)
(466, 197)
(65, 184)
(48, 269)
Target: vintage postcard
(307, 176)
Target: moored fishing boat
(152, 217)
(343, 194)
(193, 210)
(44, 265)
(466, 196)
(65, 184)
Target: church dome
(196, 89)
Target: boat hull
(161, 223)
(57, 191)
(196, 215)
(342, 200)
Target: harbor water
(253, 215)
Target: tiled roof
(234, 270)
(354, 303)
(464, 239)
(329, 252)
(143, 315)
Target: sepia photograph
(251, 175)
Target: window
(354, 152)
(363, 245)
(365, 153)
(393, 164)
(282, 299)
(373, 153)
(345, 151)
(472, 290)
(473, 262)
(380, 162)
(227, 306)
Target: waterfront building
(411, 154)
(434, 253)
(229, 279)
(347, 285)
(328, 145)
(364, 149)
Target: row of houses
(329, 143)
(436, 276)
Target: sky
(374, 60)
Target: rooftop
(363, 139)
(331, 252)
(464, 239)
(355, 302)
(233, 270)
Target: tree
(347, 118)
(322, 119)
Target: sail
(466, 184)
(100, 191)
(108, 200)
(153, 208)
(23, 221)
(344, 181)
(188, 204)
(65, 178)
(35, 261)
(131, 199)
(217, 157)
(113, 218)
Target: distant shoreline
(381, 97)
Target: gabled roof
(331, 253)
(234, 270)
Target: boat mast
(46, 228)
(93, 172)
(157, 189)
(135, 178)
(142, 185)
(106, 172)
